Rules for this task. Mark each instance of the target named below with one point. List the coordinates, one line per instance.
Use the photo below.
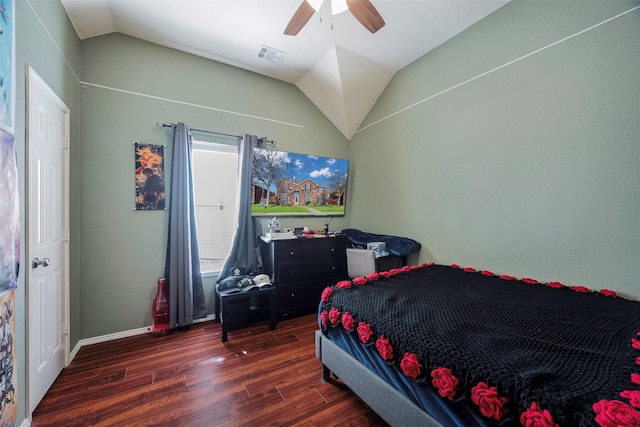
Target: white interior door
(47, 231)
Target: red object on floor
(160, 311)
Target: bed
(437, 345)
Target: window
(215, 175)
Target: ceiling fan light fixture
(362, 10)
(338, 6)
(315, 4)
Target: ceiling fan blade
(299, 19)
(366, 13)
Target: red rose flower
(455, 266)
(410, 365)
(635, 378)
(348, 322)
(405, 269)
(324, 315)
(536, 417)
(395, 271)
(334, 315)
(373, 276)
(555, 285)
(385, 274)
(608, 293)
(445, 382)
(637, 360)
(470, 269)
(633, 396)
(487, 273)
(415, 267)
(507, 277)
(530, 281)
(635, 343)
(364, 332)
(580, 289)
(490, 403)
(344, 284)
(614, 413)
(359, 281)
(326, 294)
(384, 348)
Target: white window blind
(215, 174)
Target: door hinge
(66, 328)
(66, 235)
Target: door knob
(36, 262)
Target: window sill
(210, 274)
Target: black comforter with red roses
(519, 351)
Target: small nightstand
(225, 303)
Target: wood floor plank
(189, 378)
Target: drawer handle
(333, 249)
(291, 253)
(293, 295)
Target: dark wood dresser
(302, 268)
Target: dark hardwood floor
(190, 378)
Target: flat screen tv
(292, 184)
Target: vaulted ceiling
(334, 60)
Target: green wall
(128, 86)
(529, 170)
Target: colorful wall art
(7, 59)
(9, 217)
(9, 213)
(149, 176)
(8, 385)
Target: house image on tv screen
(307, 192)
(290, 184)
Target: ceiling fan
(362, 10)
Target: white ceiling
(342, 70)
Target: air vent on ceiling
(270, 54)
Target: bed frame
(384, 400)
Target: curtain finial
(263, 140)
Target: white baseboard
(123, 334)
(209, 318)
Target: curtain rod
(164, 125)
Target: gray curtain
(182, 267)
(244, 249)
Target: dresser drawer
(309, 269)
(297, 296)
(313, 249)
